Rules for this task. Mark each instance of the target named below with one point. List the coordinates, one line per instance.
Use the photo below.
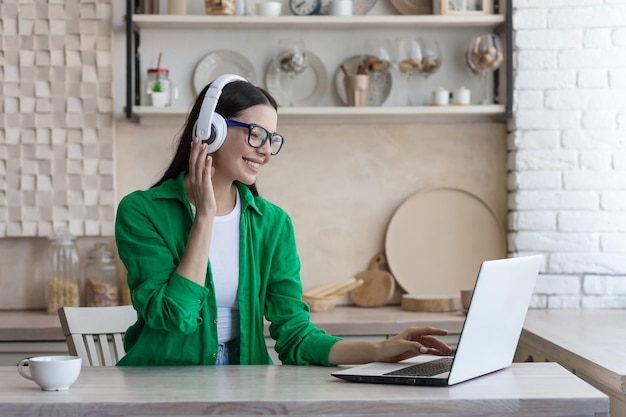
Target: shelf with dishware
(328, 101)
(343, 115)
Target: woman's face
(236, 160)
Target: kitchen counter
(33, 333)
(29, 325)
(589, 343)
(529, 389)
(37, 325)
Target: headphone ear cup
(218, 133)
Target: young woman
(208, 258)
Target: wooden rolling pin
(330, 290)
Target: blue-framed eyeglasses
(258, 135)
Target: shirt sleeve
(298, 340)
(164, 298)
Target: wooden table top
(526, 389)
(37, 325)
(591, 341)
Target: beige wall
(342, 183)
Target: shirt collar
(175, 189)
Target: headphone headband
(210, 126)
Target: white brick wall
(567, 143)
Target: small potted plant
(157, 95)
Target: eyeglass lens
(258, 136)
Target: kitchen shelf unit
(501, 23)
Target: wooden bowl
(430, 303)
(321, 304)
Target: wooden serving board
(378, 285)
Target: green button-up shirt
(177, 318)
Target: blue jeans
(228, 353)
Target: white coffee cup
(51, 373)
(268, 8)
(340, 8)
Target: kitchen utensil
(437, 239)
(333, 289)
(431, 60)
(321, 304)
(308, 88)
(379, 88)
(290, 59)
(359, 7)
(408, 61)
(466, 297)
(429, 303)
(268, 8)
(340, 8)
(413, 6)
(51, 373)
(378, 284)
(325, 297)
(484, 56)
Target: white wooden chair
(96, 333)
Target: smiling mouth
(252, 164)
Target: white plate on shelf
(308, 87)
(222, 62)
(380, 82)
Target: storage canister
(101, 283)
(63, 289)
(158, 85)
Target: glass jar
(63, 289)
(101, 283)
(158, 87)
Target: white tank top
(224, 258)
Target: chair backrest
(96, 333)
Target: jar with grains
(63, 289)
(101, 283)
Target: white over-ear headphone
(211, 126)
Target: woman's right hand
(201, 171)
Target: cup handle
(22, 371)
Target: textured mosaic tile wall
(56, 117)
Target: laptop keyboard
(431, 368)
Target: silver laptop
(489, 336)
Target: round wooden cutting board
(437, 239)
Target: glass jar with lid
(158, 87)
(63, 289)
(101, 282)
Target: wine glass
(290, 59)
(485, 55)
(408, 60)
(378, 55)
(431, 59)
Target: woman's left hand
(412, 342)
